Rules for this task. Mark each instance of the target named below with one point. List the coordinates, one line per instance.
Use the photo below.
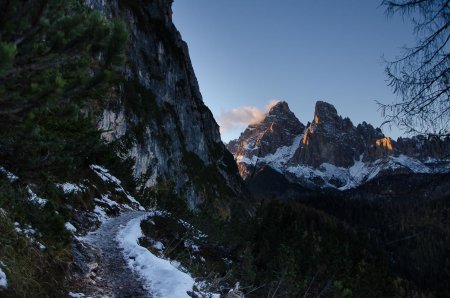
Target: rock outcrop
(330, 152)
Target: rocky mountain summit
(331, 152)
(278, 129)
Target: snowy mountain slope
(331, 152)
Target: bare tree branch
(420, 77)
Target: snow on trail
(161, 278)
(126, 269)
(113, 276)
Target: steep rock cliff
(157, 115)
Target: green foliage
(164, 197)
(340, 290)
(8, 52)
(54, 141)
(28, 269)
(65, 60)
(141, 101)
(297, 251)
(414, 233)
(336, 247)
(193, 163)
(56, 52)
(49, 220)
(58, 61)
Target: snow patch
(359, 172)
(11, 177)
(70, 188)
(106, 200)
(190, 244)
(107, 177)
(159, 275)
(70, 227)
(158, 245)
(27, 230)
(76, 295)
(413, 164)
(278, 159)
(134, 201)
(3, 279)
(35, 198)
(101, 214)
(30, 233)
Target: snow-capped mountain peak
(330, 151)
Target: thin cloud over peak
(271, 103)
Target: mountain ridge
(331, 152)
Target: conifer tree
(54, 52)
(57, 58)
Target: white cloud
(242, 116)
(271, 103)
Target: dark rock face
(157, 114)
(330, 152)
(369, 133)
(422, 147)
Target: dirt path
(112, 276)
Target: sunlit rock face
(329, 139)
(330, 152)
(157, 113)
(382, 147)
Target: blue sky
(246, 53)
